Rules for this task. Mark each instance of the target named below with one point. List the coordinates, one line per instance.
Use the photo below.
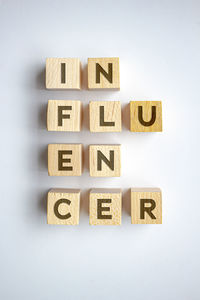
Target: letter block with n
(103, 73)
(65, 159)
(146, 206)
(63, 206)
(105, 206)
(145, 116)
(105, 160)
(64, 115)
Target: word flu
(105, 160)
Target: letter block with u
(63, 206)
(105, 160)
(65, 159)
(105, 206)
(145, 116)
(146, 206)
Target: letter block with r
(146, 206)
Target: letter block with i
(103, 73)
(146, 206)
(64, 115)
(63, 206)
(63, 73)
(65, 159)
(105, 206)
(145, 116)
(105, 160)
(105, 116)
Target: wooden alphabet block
(63, 73)
(64, 115)
(145, 116)
(105, 160)
(103, 73)
(105, 116)
(63, 206)
(105, 206)
(146, 206)
(65, 159)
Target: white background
(158, 43)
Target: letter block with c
(105, 206)
(63, 206)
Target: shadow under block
(103, 73)
(105, 116)
(63, 73)
(63, 206)
(64, 115)
(145, 116)
(146, 206)
(105, 160)
(105, 206)
(65, 159)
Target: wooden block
(63, 207)
(105, 206)
(105, 116)
(63, 73)
(64, 115)
(146, 206)
(65, 159)
(105, 160)
(103, 73)
(145, 116)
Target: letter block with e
(105, 206)
(63, 206)
(145, 116)
(103, 73)
(105, 160)
(64, 115)
(65, 159)
(146, 206)
(63, 73)
(105, 116)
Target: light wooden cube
(145, 116)
(63, 207)
(105, 206)
(64, 115)
(105, 116)
(105, 160)
(63, 73)
(146, 206)
(65, 159)
(103, 73)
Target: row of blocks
(105, 116)
(105, 206)
(66, 160)
(65, 73)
